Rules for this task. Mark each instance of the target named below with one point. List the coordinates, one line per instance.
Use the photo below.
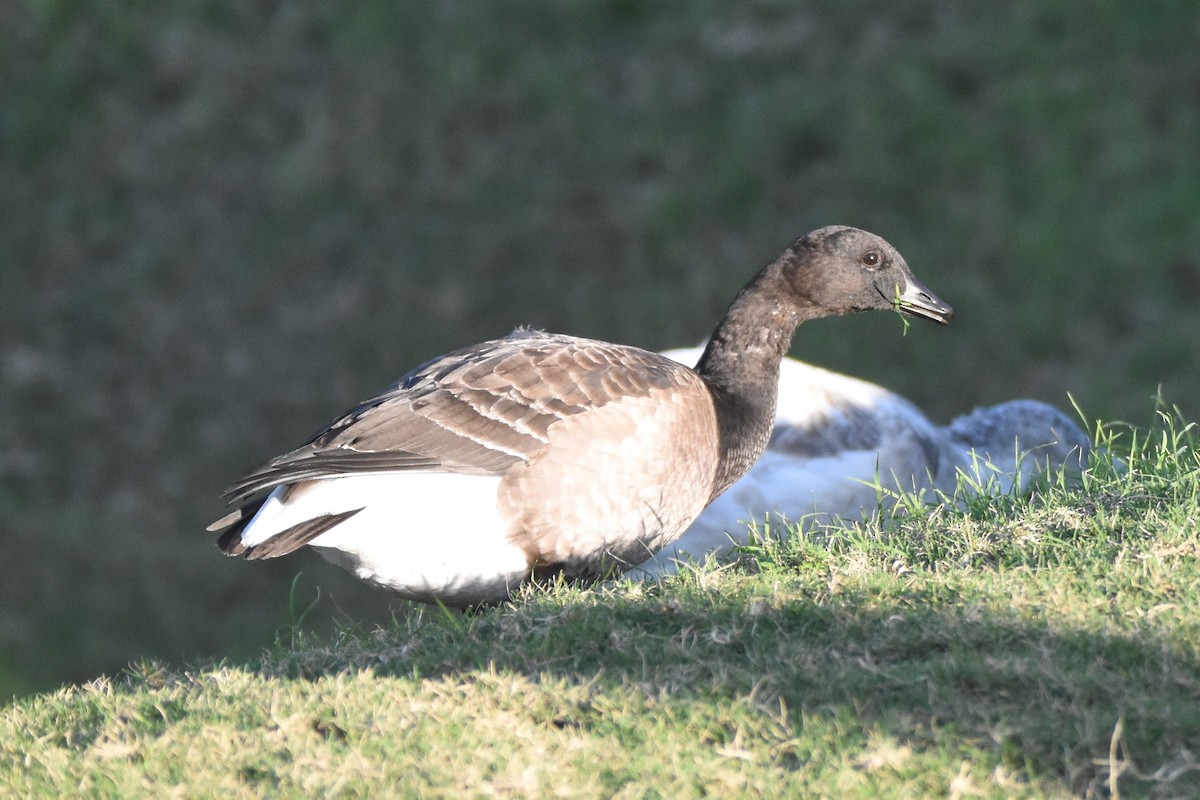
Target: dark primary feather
(478, 410)
(294, 537)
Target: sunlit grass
(1026, 645)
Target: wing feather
(479, 410)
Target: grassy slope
(222, 222)
(1020, 647)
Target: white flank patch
(425, 535)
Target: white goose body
(839, 440)
(542, 455)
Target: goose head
(858, 271)
(1009, 443)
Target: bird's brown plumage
(603, 453)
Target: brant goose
(836, 437)
(542, 455)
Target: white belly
(424, 535)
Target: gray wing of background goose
(849, 427)
(479, 410)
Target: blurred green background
(223, 222)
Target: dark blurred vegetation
(223, 222)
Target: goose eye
(870, 259)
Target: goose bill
(917, 301)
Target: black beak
(917, 301)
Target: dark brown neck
(741, 367)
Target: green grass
(1039, 646)
(224, 222)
